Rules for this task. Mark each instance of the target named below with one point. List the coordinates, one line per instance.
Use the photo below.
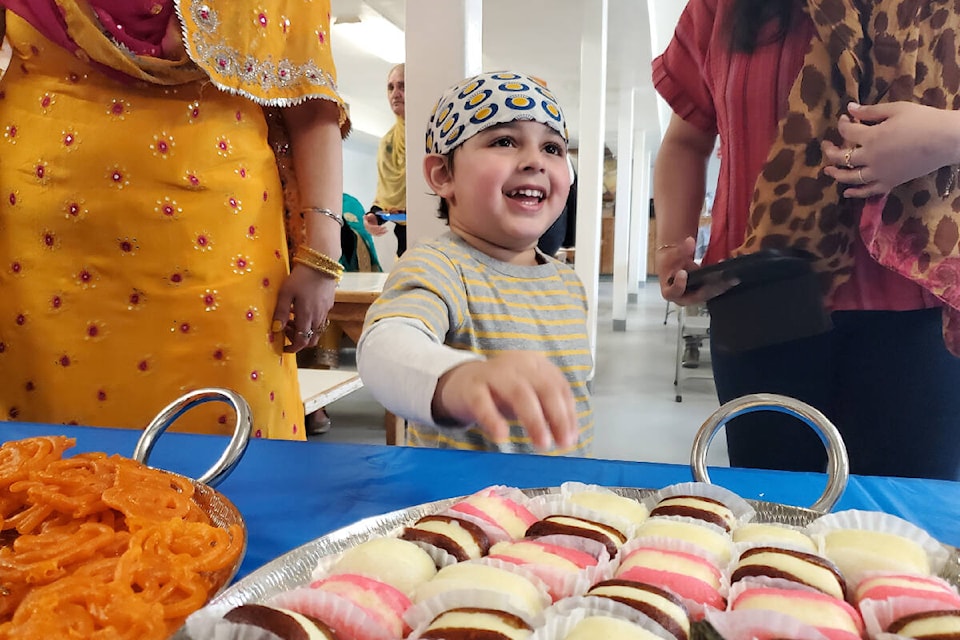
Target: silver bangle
(327, 212)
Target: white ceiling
(539, 37)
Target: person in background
(391, 194)
(883, 374)
(144, 249)
(479, 339)
(359, 252)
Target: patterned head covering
(487, 100)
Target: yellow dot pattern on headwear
(521, 103)
(487, 100)
(484, 113)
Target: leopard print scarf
(867, 51)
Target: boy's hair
(485, 101)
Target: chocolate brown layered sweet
(460, 538)
(929, 625)
(788, 564)
(285, 624)
(573, 526)
(658, 604)
(469, 623)
(698, 507)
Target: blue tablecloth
(292, 492)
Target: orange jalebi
(98, 546)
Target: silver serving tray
(294, 569)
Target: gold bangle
(318, 264)
(330, 273)
(309, 253)
(326, 212)
(666, 246)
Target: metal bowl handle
(235, 448)
(838, 465)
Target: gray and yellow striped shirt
(474, 303)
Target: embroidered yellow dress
(142, 239)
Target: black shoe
(691, 356)
(318, 423)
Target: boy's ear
(436, 171)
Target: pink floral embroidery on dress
(168, 208)
(86, 278)
(128, 246)
(210, 301)
(117, 177)
(162, 146)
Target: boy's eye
(503, 141)
(554, 149)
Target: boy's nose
(530, 159)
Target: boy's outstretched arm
(414, 375)
(521, 385)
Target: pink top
(742, 97)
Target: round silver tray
(294, 568)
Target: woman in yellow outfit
(142, 243)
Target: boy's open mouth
(527, 194)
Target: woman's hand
(674, 264)
(521, 385)
(305, 297)
(905, 141)
(371, 224)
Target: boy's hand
(519, 385)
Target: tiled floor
(637, 415)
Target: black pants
(884, 378)
(400, 230)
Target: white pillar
(622, 211)
(593, 91)
(639, 215)
(436, 59)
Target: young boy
(479, 340)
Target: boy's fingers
(491, 421)
(523, 402)
(560, 411)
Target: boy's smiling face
(508, 185)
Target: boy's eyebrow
(513, 124)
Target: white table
(320, 387)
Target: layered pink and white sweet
(834, 618)
(354, 606)
(501, 507)
(710, 538)
(568, 565)
(886, 599)
(758, 624)
(693, 577)
(884, 586)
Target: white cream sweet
(401, 564)
(596, 627)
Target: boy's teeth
(532, 193)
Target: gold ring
(306, 334)
(860, 173)
(847, 159)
